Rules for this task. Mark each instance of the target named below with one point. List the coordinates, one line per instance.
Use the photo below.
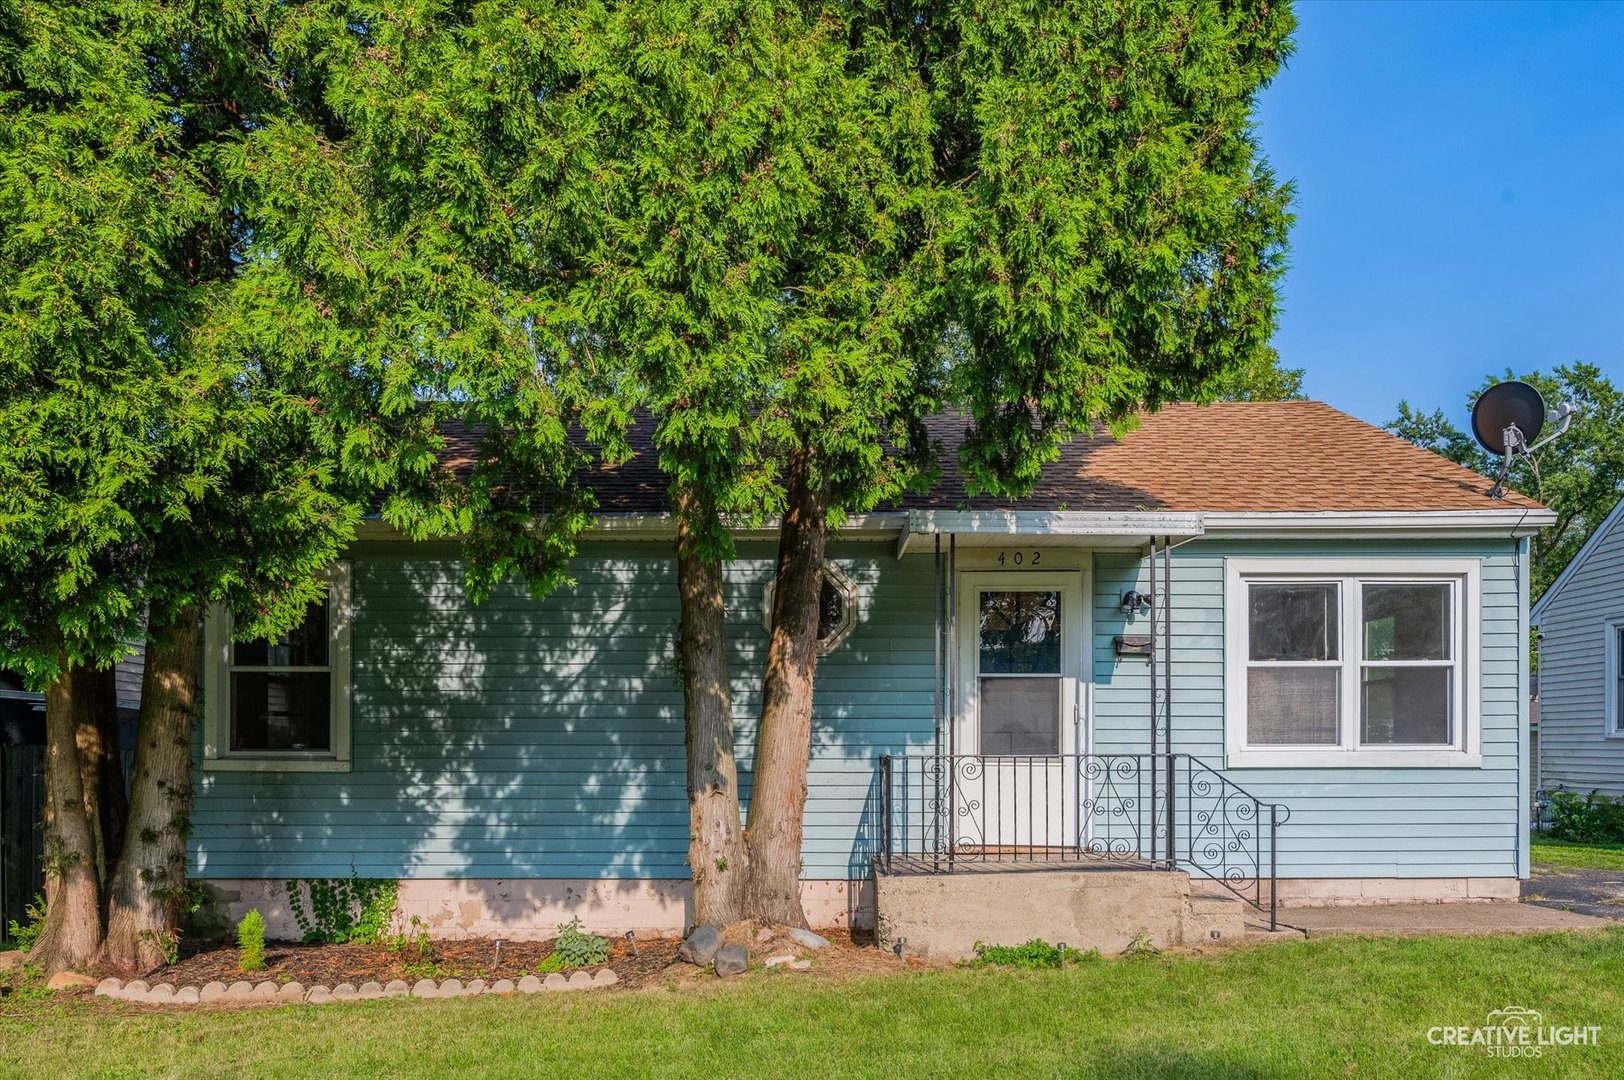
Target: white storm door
(1022, 640)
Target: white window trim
(1610, 727)
(217, 753)
(1467, 751)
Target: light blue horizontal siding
(526, 738)
(1344, 822)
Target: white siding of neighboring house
(1576, 750)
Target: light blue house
(1266, 643)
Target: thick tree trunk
(784, 745)
(716, 854)
(150, 880)
(72, 934)
(95, 701)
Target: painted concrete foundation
(527, 909)
(1336, 892)
(941, 917)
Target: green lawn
(1326, 1007)
(1592, 856)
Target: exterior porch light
(1134, 601)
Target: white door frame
(1073, 579)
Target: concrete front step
(943, 916)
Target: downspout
(1151, 757)
(945, 826)
(938, 600)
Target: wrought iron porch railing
(947, 813)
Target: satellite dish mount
(1508, 419)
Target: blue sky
(1460, 196)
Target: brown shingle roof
(1275, 456)
(1278, 456)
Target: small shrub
(251, 940)
(1141, 945)
(576, 948)
(1036, 953)
(1586, 819)
(23, 935)
(550, 963)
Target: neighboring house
(1348, 658)
(1581, 667)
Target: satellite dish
(1507, 420)
(1505, 406)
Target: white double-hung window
(1351, 662)
(282, 705)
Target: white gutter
(985, 527)
(1512, 522)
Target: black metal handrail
(941, 813)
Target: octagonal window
(837, 608)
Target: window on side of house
(1336, 662)
(1618, 678)
(1613, 676)
(281, 704)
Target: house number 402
(1019, 558)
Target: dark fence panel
(22, 847)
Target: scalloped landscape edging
(268, 992)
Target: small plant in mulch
(251, 942)
(23, 935)
(1035, 954)
(1141, 945)
(574, 948)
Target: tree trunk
(784, 745)
(716, 854)
(95, 703)
(150, 882)
(72, 934)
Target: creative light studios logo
(1515, 1032)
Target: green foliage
(1142, 945)
(550, 963)
(23, 985)
(1032, 955)
(169, 944)
(23, 935)
(1579, 475)
(1586, 819)
(575, 948)
(251, 941)
(1259, 379)
(155, 459)
(353, 909)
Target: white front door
(1023, 640)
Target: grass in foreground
(1580, 856)
(1332, 1006)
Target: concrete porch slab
(1424, 919)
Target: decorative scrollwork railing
(943, 813)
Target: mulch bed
(648, 962)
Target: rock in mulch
(701, 946)
(69, 980)
(774, 961)
(732, 960)
(807, 939)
